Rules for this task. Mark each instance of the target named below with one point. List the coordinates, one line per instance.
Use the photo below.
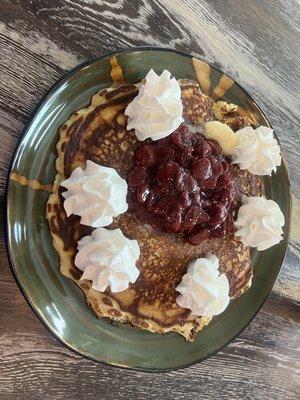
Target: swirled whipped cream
(96, 194)
(202, 289)
(259, 223)
(108, 258)
(257, 150)
(157, 110)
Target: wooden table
(255, 42)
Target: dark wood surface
(256, 42)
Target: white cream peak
(157, 109)
(97, 194)
(259, 223)
(203, 289)
(108, 259)
(257, 150)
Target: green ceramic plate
(56, 300)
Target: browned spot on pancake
(197, 106)
(116, 71)
(32, 183)
(63, 146)
(69, 228)
(76, 275)
(87, 143)
(246, 183)
(114, 313)
(74, 127)
(102, 92)
(107, 301)
(124, 146)
(64, 127)
(74, 132)
(94, 304)
(49, 207)
(54, 226)
(140, 322)
(85, 286)
(121, 120)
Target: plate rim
(7, 241)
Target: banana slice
(223, 134)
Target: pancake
(98, 133)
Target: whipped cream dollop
(96, 194)
(108, 258)
(259, 222)
(157, 110)
(202, 289)
(257, 150)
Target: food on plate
(223, 134)
(259, 222)
(148, 211)
(257, 150)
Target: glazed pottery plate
(57, 301)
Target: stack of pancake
(98, 133)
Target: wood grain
(255, 43)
